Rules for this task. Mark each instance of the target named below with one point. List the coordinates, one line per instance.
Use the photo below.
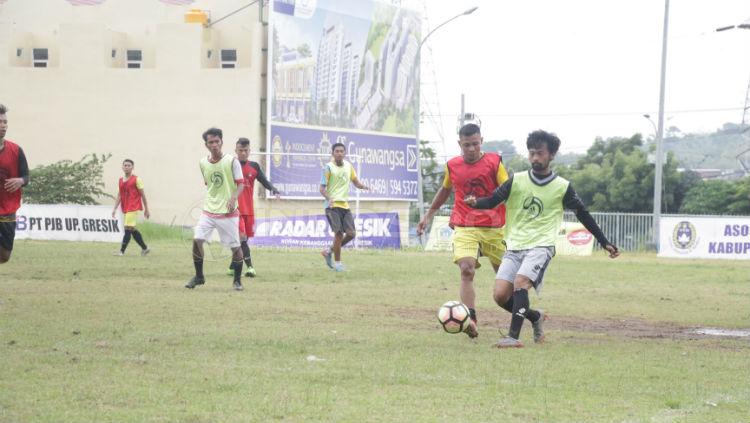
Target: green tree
(740, 200)
(505, 147)
(708, 197)
(68, 182)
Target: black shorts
(341, 220)
(7, 232)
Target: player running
(14, 174)
(534, 201)
(132, 199)
(476, 232)
(251, 172)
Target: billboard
(343, 71)
(68, 222)
(722, 237)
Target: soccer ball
(454, 316)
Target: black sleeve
(262, 178)
(499, 195)
(23, 167)
(573, 202)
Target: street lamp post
(420, 190)
(660, 132)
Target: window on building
(134, 59)
(19, 52)
(40, 57)
(114, 52)
(228, 58)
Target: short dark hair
(243, 142)
(128, 161)
(539, 137)
(338, 144)
(213, 131)
(3, 109)
(469, 129)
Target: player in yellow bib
(334, 187)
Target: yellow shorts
(478, 242)
(130, 218)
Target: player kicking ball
(534, 202)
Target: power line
(589, 114)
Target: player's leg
(230, 237)
(347, 220)
(465, 255)
(334, 220)
(201, 233)
(241, 232)
(125, 240)
(247, 232)
(7, 235)
(503, 290)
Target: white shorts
(531, 263)
(226, 226)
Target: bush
(68, 182)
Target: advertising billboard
(343, 71)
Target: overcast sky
(581, 68)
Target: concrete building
(130, 78)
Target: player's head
(242, 148)
(338, 151)
(470, 141)
(213, 139)
(3, 121)
(542, 148)
(127, 166)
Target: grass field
(88, 337)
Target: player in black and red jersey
(14, 174)
(251, 172)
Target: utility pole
(660, 132)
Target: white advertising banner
(705, 237)
(441, 235)
(574, 240)
(68, 222)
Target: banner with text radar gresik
(343, 72)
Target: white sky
(581, 68)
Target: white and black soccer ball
(453, 316)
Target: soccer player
(223, 178)
(476, 232)
(251, 172)
(14, 174)
(534, 201)
(334, 187)
(132, 199)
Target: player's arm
(117, 204)
(139, 185)
(357, 183)
(263, 180)
(14, 184)
(240, 181)
(440, 198)
(572, 201)
(499, 195)
(324, 184)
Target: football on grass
(453, 316)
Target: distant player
(14, 174)
(334, 187)
(132, 199)
(251, 172)
(534, 201)
(223, 178)
(476, 232)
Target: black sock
(125, 240)
(139, 239)
(473, 314)
(237, 270)
(198, 267)
(520, 307)
(531, 314)
(246, 254)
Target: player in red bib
(14, 174)
(251, 172)
(132, 199)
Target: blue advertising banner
(386, 164)
(343, 71)
(374, 230)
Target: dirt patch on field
(629, 327)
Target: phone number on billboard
(390, 187)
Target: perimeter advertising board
(721, 237)
(343, 71)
